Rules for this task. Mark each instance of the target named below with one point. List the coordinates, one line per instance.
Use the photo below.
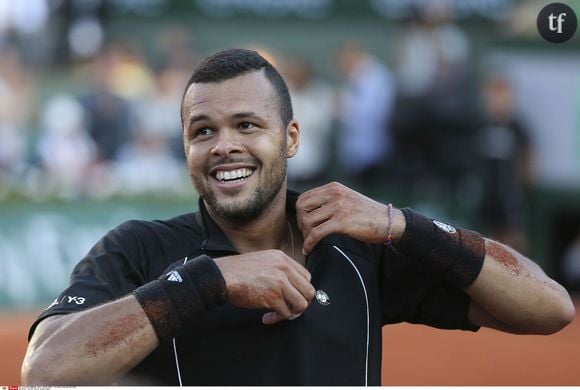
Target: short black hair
(230, 63)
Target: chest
(332, 343)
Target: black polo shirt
(336, 341)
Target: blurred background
(457, 108)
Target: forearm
(99, 345)
(95, 346)
(509, 291)
(517, 293)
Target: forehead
(250, 92)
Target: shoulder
(171, 230)
(142, 247)
(150, 242)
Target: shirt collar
(214, 239)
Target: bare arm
(100, 345)
(511, 293)
(95, 346)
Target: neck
(268, 231)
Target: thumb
(271, 318)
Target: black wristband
(456, 253)
(181, 295)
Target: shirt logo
(174, 276)
(77, 300)
(322, 298)
(445, 227)
(67, 299)
(54, 303)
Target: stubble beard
(256, 204)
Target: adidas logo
(174, 276)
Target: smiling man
(264, 286)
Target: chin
(234, 212)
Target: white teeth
(233, 174)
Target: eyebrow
(198, 118)
(248, 114)
(237, 115)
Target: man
(365, 143)
(265, 286)
(506, 160)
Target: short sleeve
(109, 271)
(410, 294)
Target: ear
(292, 138)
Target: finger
(280, 312)
(315, 218)
(294, 266)
(299, 278)
(272, 318)
(313, 199)
(296, 302)
(310, 193)
(317, 233)
(302, 214)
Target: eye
(246, 125)
(203, 132)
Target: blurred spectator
(506, 166)
(80, 32)
(159, 114)
(434, 110)
(313, 102)
(16, 96)
(175, 50)
(149, 153)
(155, 143)
(365, 111)
(110, 119)
(65, 150)
(431, 48)
(22, 17)
(176, 58)
(128, 73)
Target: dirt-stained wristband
(456, 253)
(181, 295)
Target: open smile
(234, 175)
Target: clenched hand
(267, 280)
(334, 208)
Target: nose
(226, 143)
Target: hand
(334, 208)
(267, 279)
